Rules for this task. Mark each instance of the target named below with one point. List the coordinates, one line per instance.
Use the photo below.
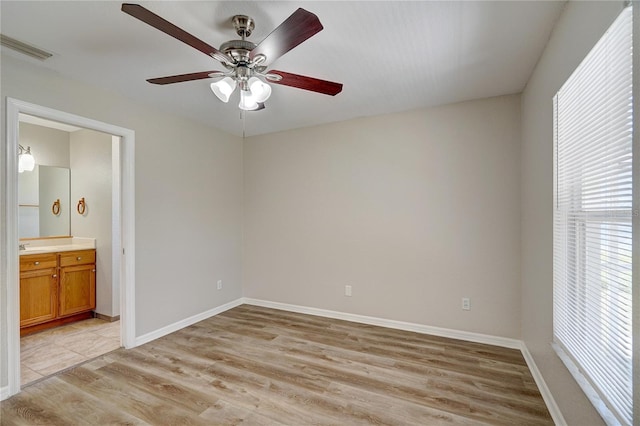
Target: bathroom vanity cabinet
(56, 288)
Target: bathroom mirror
(44, 202)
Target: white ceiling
(391, 56)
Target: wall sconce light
(25, 159)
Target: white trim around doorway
(125, 241)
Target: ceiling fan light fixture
(247, 101)
(260, 91)
(224, 88)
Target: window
(592, 322)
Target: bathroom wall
(50, 147)
(91, 179)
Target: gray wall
(188, 198)
(413, 210)
(577, 31)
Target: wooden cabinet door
(77, 289)
(38, 296)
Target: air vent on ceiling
(21, 47)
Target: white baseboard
(553, 408)
(4, 393)
(399, 325)
(145, 338)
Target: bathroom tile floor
(56, 349)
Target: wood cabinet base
(56, 288)
(55, 323)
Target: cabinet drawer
(32, 262)
(80, 257)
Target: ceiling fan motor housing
(243, 67)
(243, 24)
(238, 49)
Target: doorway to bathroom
(114, 325)
(65, 199)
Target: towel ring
(55, 208)
(82, 206)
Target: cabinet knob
(55, 276)
(78, 258)
(93, 270)
(36, 263)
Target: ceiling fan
(245, 61)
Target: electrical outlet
(219, 284)
(466, 304)
(347, 290)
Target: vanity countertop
(57, 245)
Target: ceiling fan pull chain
(243, 117)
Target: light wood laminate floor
(56, 349)
(259, 366)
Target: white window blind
(592, 221)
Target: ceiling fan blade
(167, 27)
(297, 28)
(183, 77)
(307, 83)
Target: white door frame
(126, 242)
